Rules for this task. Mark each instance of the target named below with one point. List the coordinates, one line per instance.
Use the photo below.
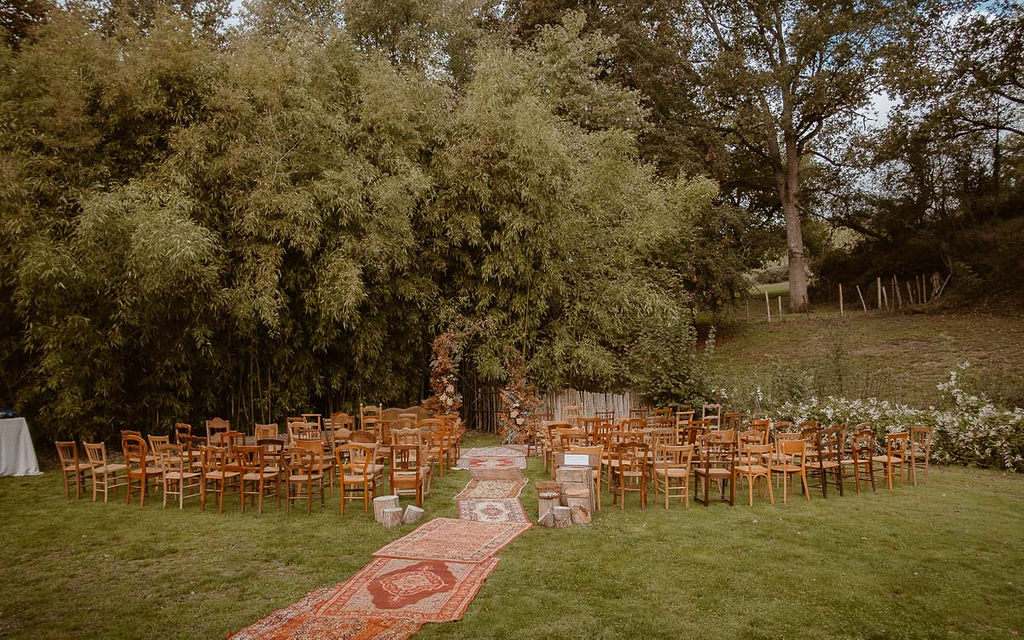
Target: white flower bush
(970, 430)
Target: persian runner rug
(504, 510)
(411, 589)
(497, 462)
(493, 489)
(301, 620)
(511, 473)
(454, 540)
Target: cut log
(580, 515)
(572, 474)
(563, 517)
(545, 505)
(548, 520)
(413, 514)
(381, 503)
(392, 517)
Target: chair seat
(673, 472)
(887, 459)
(109, 468)
(786, 467)
(221, 475)
(751, 468)
(303, 477)
(178, 475)
(714, 473)
(82, 466)
(356, 479)
(266, 475)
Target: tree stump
(547, 520)
(392, 517)
(577, 481)
(546, 502)
(563, 517)
(381, 503)
(413, 514)
(578, 501)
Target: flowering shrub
(969, 429)
(444, 365)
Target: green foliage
(275, 220)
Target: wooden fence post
(840, 299)
(768, 305)
(861, 296)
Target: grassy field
(942, 560)
(894, 356)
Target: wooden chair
(638, 413)
(633, 424)
(178, 476)
(755, 459)
(264, 431)
(216, 425)
(790, 460)
(256, 473)
(553, 445)
(572, 413)
(155, 442)
(105, 475)
(717, 461)
(608, 415)
(731, 421)
(895, 455)
(630, 470)
(712, 412)
(73, 468)
(313, 418)
(683, 419)
(356, 477)
(830, 457)
(410, 471)
(672, 470)
(140, 469)
(862, 451)
(919, 451)
(317, 444)
(304, 475)
(220, 470)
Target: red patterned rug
(454, 540)
(498, 462)
(301, 620)
(496, 474)
(492, 489)
(419, 590)
(507, 510)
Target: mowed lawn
(928, 561)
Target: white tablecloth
(17, 455)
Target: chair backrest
(67, 452)
(833, 443)
(156, 442)
(410, 436)
(672, 455)
(227, 438)
(251, 459)
(660, 436)
(755, 452)
(171, 457)
(314, 418)
(638, 413)
(407, 458)
(633, 424)
(712, 412)
(572, 437)
(95, 453)
(181, 429)
(862, 444)
(921, 441)
(896, 443)
(135, 450)
(794, 449)
(731, 421)
(684, 418)
(265, 431)
(215, 458)
(605, 414)
(342, 419)
(363, 436)
(763, 426)
(664, 412)
(751, 436)
(357, 456)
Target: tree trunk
(789, 188)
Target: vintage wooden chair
(73, 468)
(754, 460)
(106, 475)
(220, 470)
(356, 477)
(261, 431)
(140, 467)
(716, 462)
(630, 470)
(410, 471)
(304, 477)
(862, 451)
(181, 429)
(672, 469)
(732, 421)
(607, 415)
(895, 455)
(764, 427)
(712, 412)
(178, 476)
(257, 476)
(919, 451)
(790, 460)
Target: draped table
(17, 455)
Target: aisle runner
(429, 575)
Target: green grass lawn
(942, 560)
